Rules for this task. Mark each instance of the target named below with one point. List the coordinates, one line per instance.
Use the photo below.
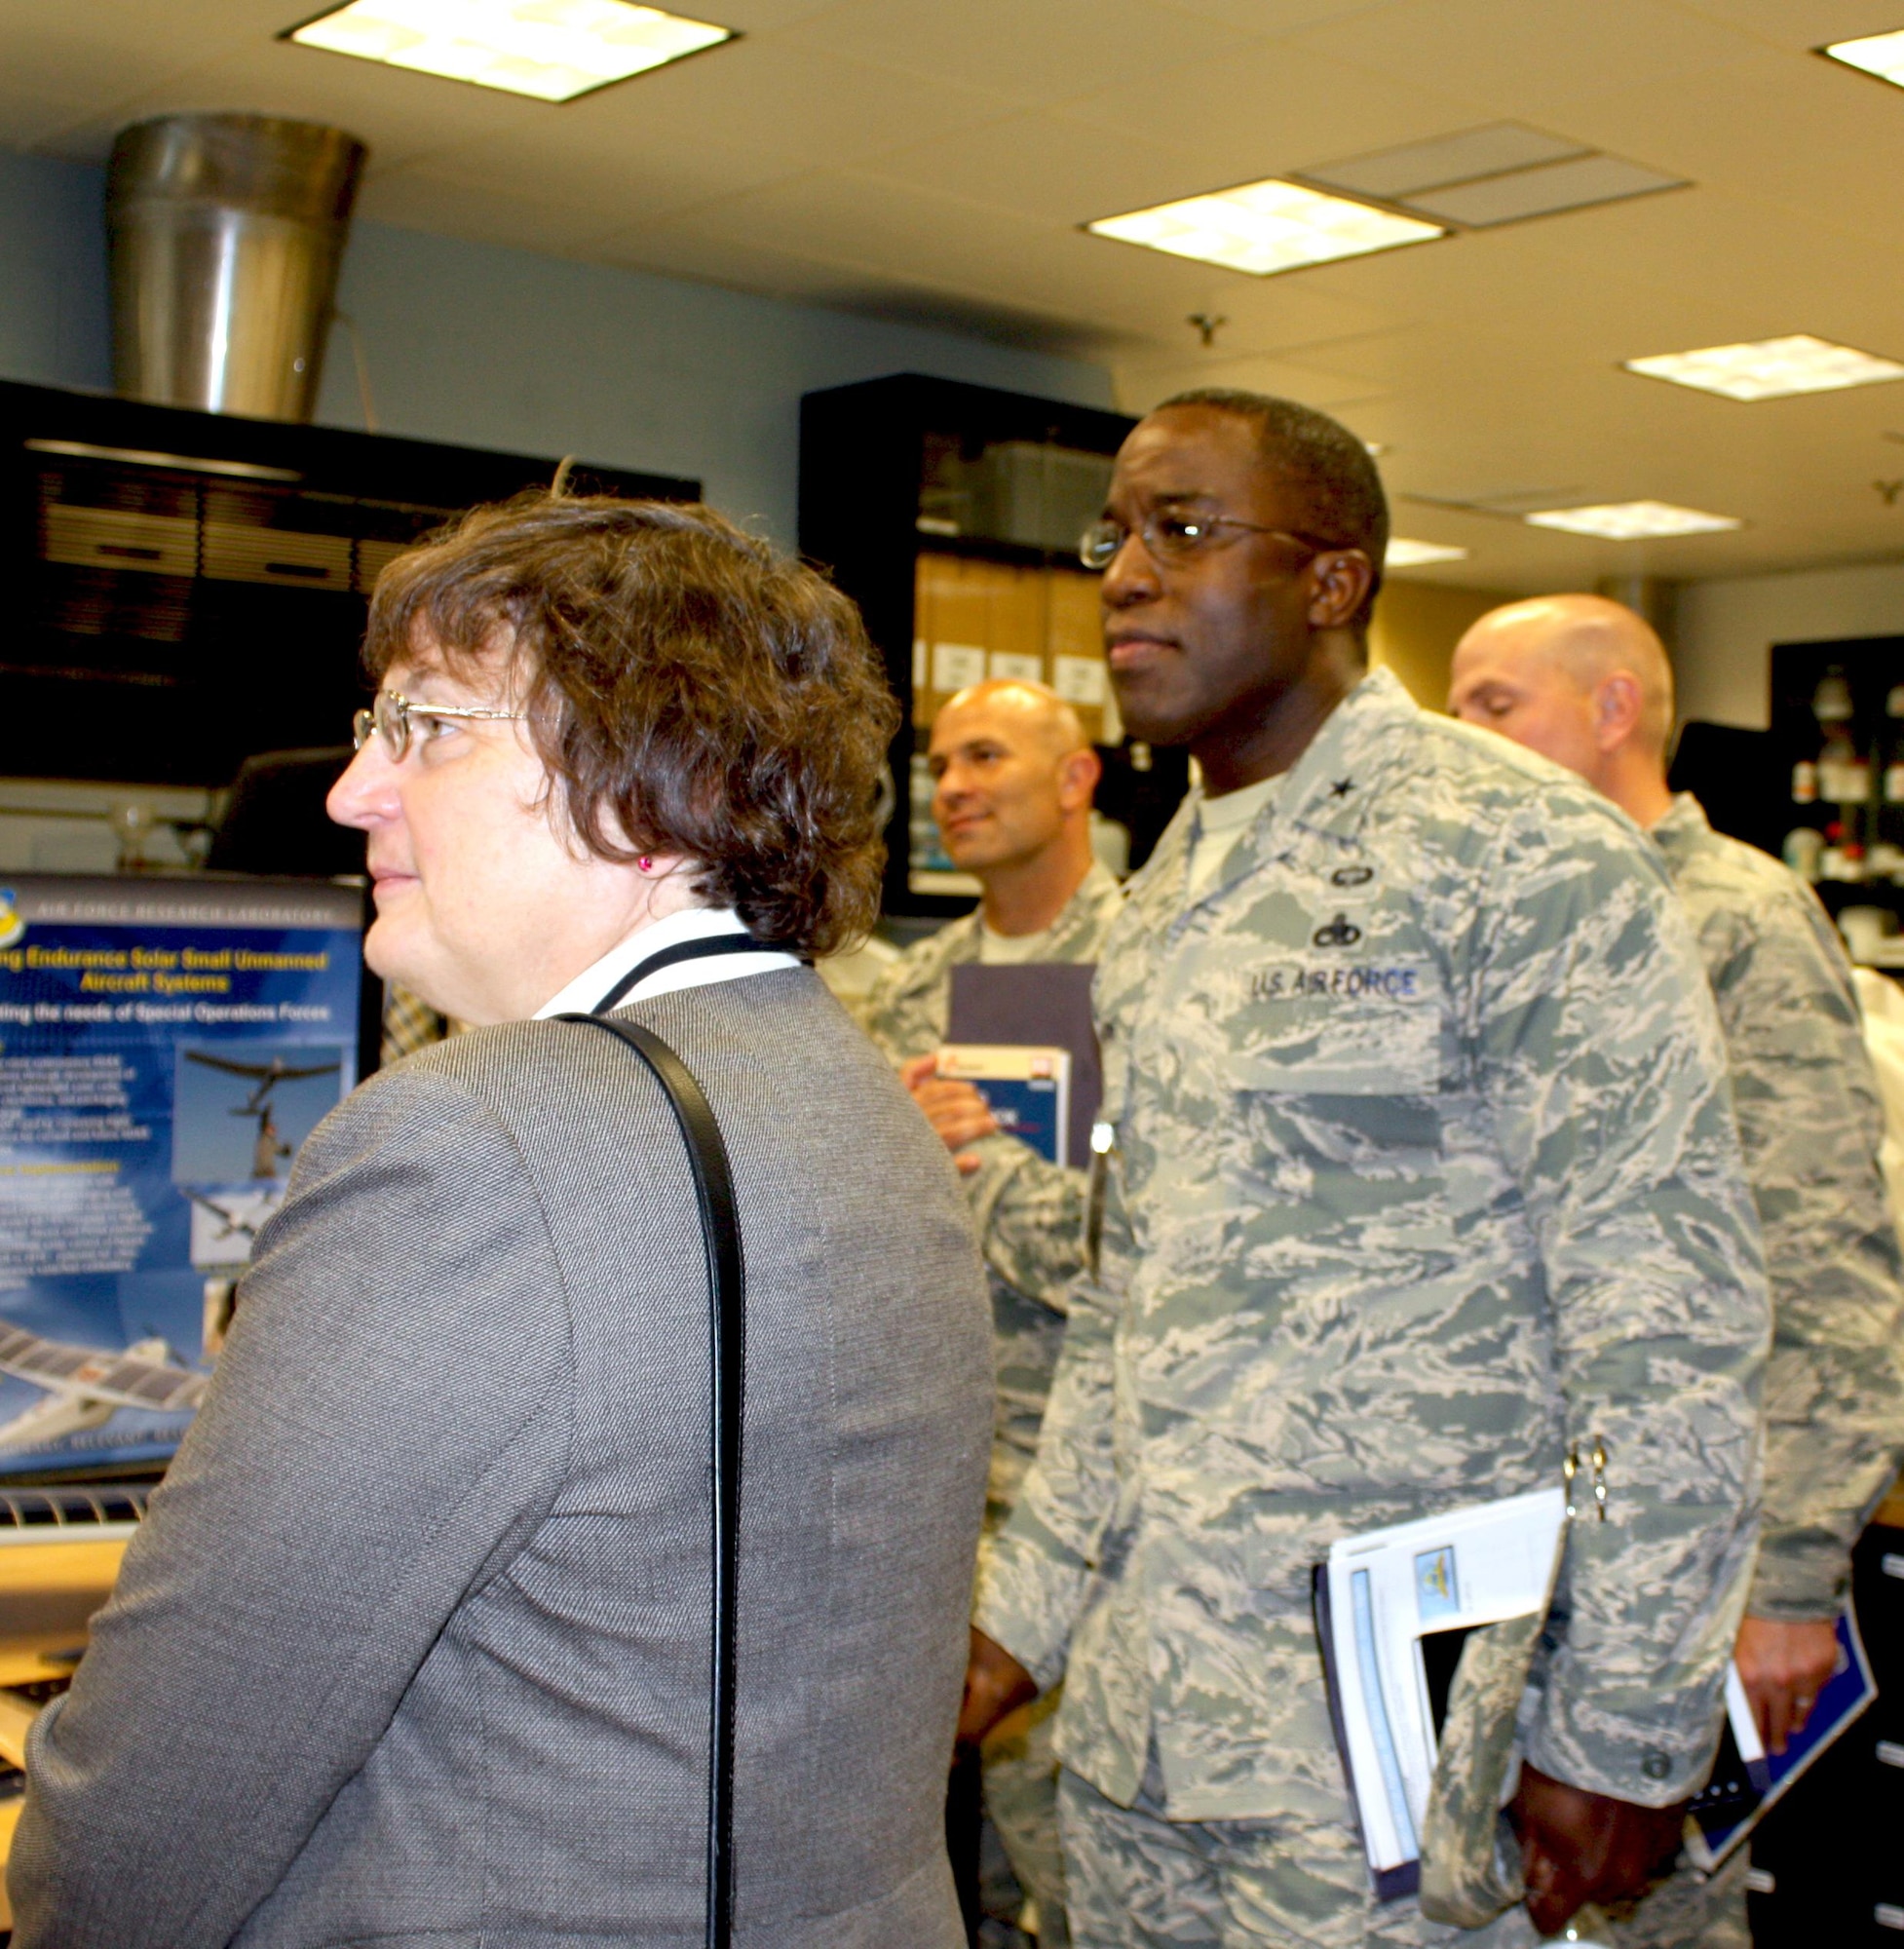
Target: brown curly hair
(689, 689)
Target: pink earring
(645, 863)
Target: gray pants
(1137, 1881)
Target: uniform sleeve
(1029, 1214)
(1810, 1125)
(1600, 1055)
(388, 1424)
(1032, 1572)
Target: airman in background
(1013, 782)
(1586, 682)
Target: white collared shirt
(584, 992)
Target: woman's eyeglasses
(391, 716)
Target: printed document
(1379, 1596)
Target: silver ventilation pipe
(226, 232)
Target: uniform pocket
(1349, 1030)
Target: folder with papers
(1392, 1606)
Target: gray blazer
(412, 1647)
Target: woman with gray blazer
(413, 1646)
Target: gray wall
(1724, 632)
(500, 348)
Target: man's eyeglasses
(1172, 538)
(393, 714)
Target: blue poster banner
(166, 1046)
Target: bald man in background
(1013, 779)
(1586, 682)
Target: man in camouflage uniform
(1586, 682)
(1012, 796)
(1422, 1173)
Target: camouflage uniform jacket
(1811, 1122)
(1424, 1170)
(1029, 1214)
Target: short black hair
(1338, 492)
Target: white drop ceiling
(934, 160)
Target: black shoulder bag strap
(720, 1236)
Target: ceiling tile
(844, 218)
(1521, 194)
(1801, 23)
(781, 106)
(1522, 57)
(1486, 151)
(398, 115)
(638, 183)
(1264, 111)
(1044, 164)
(1838, 135)
(1045, 52)
(1142, 383)
(1272, 16)
(417, 198)
(930, 163)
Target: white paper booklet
(1379, 1595)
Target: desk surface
(49, 1591)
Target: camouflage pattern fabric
(1139, 1881)
(1691, 1911)
(1029, 1214)
(1021, 1775)
(1810, 1125)
(1424, 1169)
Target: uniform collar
(1327, 790)
(1684, 824)
(959, 938)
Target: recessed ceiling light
(1265, 227)
(1632, 521)
(1770, 368)
(1406, 553)
(553, 50)
(1882, 54)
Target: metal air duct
(226, 232)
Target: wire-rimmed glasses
(1169, 537)
(390, 719)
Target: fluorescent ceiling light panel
(1770, 368)
(1632, 521)
(1542, 192)
(1265, 227)
(1406, 553)
(1396, 175)
(553, 50)
(1882, 54)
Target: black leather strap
(704, 949)
(720, 1235)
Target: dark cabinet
(952, 514)
(186, 589)
(1838, 739)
